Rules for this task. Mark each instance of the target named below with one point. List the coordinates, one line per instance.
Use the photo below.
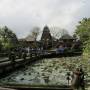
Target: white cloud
(22, 15)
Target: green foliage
(87, 47)
(35, 32)
(83, 31)
(0, 46)
(8, 39)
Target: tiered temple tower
(46, 38)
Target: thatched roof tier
(67, 37)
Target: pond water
(45, 72)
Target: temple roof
(46, 34)
(67, 36)
(46, 28)
(28, 38)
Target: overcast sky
(22, 15)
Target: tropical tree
(83, 32)
(83, 29)
(7, 38)
(57, 32)
(35, 31)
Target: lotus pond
(47, 71)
